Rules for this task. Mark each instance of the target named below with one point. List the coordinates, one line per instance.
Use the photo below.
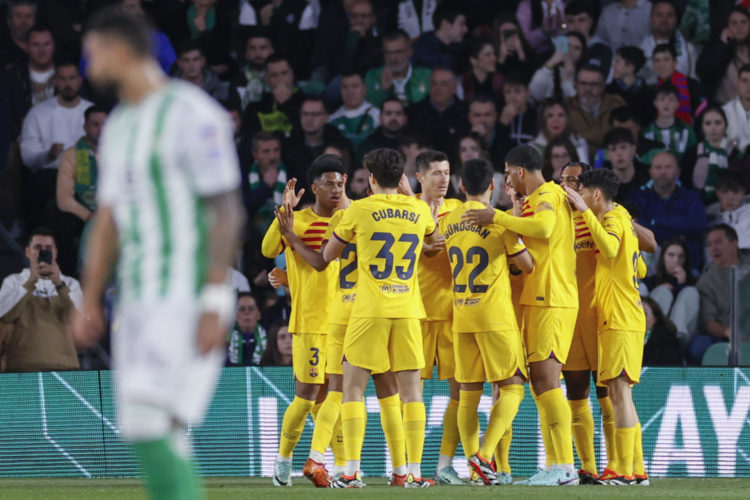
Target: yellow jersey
(307, 286)
(388, 230)
(585, 266)
(346, 272)
(618, 302)
(434, 276)
(517, 280)
(478, 260)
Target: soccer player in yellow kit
(620, 318)
(487, 342)
(309, 317)
(433, 174)
(384, 331)
(550, 300)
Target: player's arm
(517, 253)
(646, 239)
(641, 269)
(285, 218)
(607, 240)
(272, 244)
(333, 248)
(538, 225)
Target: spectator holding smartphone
(36, 303)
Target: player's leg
(625, 422)
(392, 423)
(577, 384)
(470, 375)
(502, 450)
(639, 469)
(444, 471)
(608, 419)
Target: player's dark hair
(585, 167)
(386, 165)
(624, 114)
(39, 231)
(95, 108)
(524, 156)
(189, 45)
(135, 31)
(633, 56)
(427, 158)
(730, 181)
(444, 14)
(665, 48)
(323, 164)
(667, 89)
(476, 176)
(618, 135)
(602, 179)
(729, 231)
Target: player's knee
(307, 391)
(144, 422)
(386, 384)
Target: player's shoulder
(619, 213)
(196, 104)
(450, 204)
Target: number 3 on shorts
(315, 359)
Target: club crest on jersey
(313, 372)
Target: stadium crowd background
(657, 91)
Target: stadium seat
(717, 355)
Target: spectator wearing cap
(191, 67)
(733, 208)
(589, 110)
(663, 29)
(580, 17)
(482, 78)
(249, 85)
(439, 48)
(398, 77)
(37, 303)
(624, 22)
(357, 118)
(21, 17)
(737, 111)
(627, 83)
(391, 132)
(556, 77)
(691, 95)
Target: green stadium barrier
(695, 423)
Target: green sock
(168, 475)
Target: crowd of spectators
(658, 91)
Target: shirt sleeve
(33, 152)
(538, 225)
(11, 294)
(273, 244)
(106, 189)
(431, 225)
(513, 244)
(344, 231)
(607, 235)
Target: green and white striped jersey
(159, 159)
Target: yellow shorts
(490, 356)
(309, 357)
(382, 344)
(437, 343)
(620, 353)
(335, 349)
(548, 332)
(583, 353)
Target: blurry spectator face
(664, 172)
(590, 87)
(482, 117)
(517, 95)
(620, 68)
(20, 20)
(469, 149)
(353, 91)
(436, 179)
(442, 87)
(569, 177)
(555, 121)
(132, 7)
(722, 251)
(663, 20)
(664, 65)
(455, 30)
(313, 117)
(41, 48)
(739, 27)
(485, 60)
(581, 23)
(393, 117)
(650, 318)
(360, 181)
(620, 155)
(714, 127)
(39, 243)
(267, 154)
(93, 126)
(361, 16)
(257, 51)
(634, 128)
(329, 188)
(284, 342)
(191, 64)
(575, 49)
(666, 104)
(248, 314)
(730, 199)
(674, 257)
(559, 158)
(67, 82)
(397, 54)
(279, 73)
(743, 86)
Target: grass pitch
(244, 488)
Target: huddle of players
(419, 282)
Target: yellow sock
(468, 421)
(583, 433)
(353, 427)
(337, 443)
(559, 422)
(608, 427)
(638, 468)
(502, 416)
(414, 427)
(625, 446)
(502, 452)
(327, 415)
(549, 449)
(393, 427)
(451, 437)
(293, 424)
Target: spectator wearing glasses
(247, 340)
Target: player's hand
(480, 216)
(679, 274)
(285, 218)
(87, 325)
(575, 199)
(404, 187)
(211, 333)
(290, 196)
(436, 246)
(277, 277)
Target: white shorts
(157, 363)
